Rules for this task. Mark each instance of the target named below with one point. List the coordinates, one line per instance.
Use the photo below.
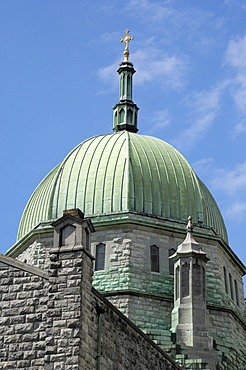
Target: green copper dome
(123, 172)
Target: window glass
(100, 257)
(231, 287)
(225, 280)
(154, 258)
(236, 292)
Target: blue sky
(58, 62)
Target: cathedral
(122, 261)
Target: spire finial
(189, 226)
(126, 40)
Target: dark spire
(125, 111)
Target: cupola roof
(124, 172)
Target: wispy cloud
(235, 57)
(237, 210)
(175, 22)
(230, 184)
(109, 37)
(195, 132)
(205, 105)
(155, 66)
(160, 12)
(239, 129)
(238, 3)
(160, 120)
(203, 165)
(108, 75)
(154, 10)
(231, 181)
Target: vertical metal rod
(100, 311)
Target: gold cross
(126, 40)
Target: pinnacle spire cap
(189, 245)
(189, 227)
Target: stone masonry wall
(124, 346)
(37, 252)
(145, 311)
(216, 293)
(128, 258)
(127, 269)
(231, 347)
(67, 309)
(23, 306)
(51, 321)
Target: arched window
(100, 257)
(236, 292)
(225, 280)
(129, 116)
(121, 115)
(231, 287)
(121, 85)
(154, 258)
(128, 87)
(185, 278)
(124, 86)
(197, 277)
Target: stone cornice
(23, 266)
